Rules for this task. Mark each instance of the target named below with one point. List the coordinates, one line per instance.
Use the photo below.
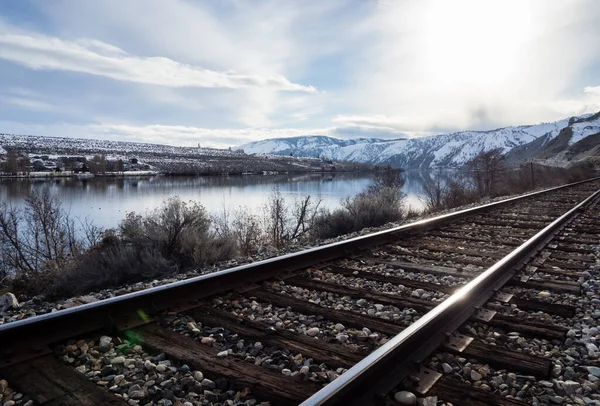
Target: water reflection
(106, 200)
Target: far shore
(88, 175)
(71, 174)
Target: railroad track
(354, 322)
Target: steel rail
(376, 375)
(63, 324)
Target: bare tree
(11, 163)
(97, 164)
(276, 218)
(434, 191)
(37, 235)
(284, 224)
(303, 216)
(487, 168)
(92, 233)
(388, 177)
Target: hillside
(559, 144)
(166, 158)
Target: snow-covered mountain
(448, 150)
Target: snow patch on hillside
(447, 150)
(584, 129)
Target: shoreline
(87, 175)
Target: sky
(223, 73)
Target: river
(105, 201)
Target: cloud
(293, 40)
(593, 91)
(375, 125)
(95, 57)
(374, 121)
(469, 64)
(207, 70)
(28, 103)
(25, 98)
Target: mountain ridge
(555, 143)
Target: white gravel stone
(405, 398)
(313, 331)
(8, 301)
(105, 342)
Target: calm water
(105, 201)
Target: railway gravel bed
(282, 338)
(574, 377)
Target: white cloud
(472, 64)
(376, 125)
(593, 91)
(379, 121)
(25, 98)
(265, 37)
(28, 103)
(98, 58)
(385, 69)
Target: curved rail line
(389, 364)
(367, 380)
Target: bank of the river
(76, 175)
(88, 175)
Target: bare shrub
(329, 224)
(517, 180)
(388, 177)
(36, 235)
(381, 203)
(434, 190)
(131, 229)
(221, 223)
(412, 213)
(442, 194)
(276, 218)
(181, 232)
(367, 209)
(487, 170)
(39, 243)
(91, 233)
(459, 193)
(108, 265)
(164, 227)
(246, 231)
(214, 249)
(372, 210)
(581, 171)
(284, 224)
(532, 175)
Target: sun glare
(472, 42)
